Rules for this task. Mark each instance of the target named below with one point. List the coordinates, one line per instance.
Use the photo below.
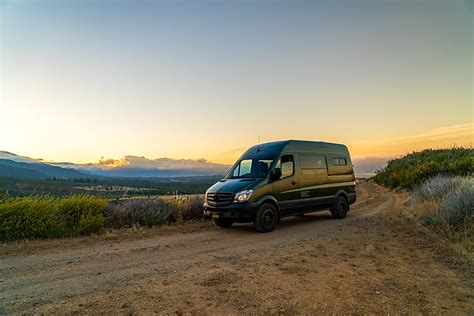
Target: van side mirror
(276, 174)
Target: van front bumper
(235, 211)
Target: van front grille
(219, 199)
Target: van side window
(312, 161)
(287, 166)
(339, 162)
(312, 166)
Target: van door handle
(294, 183)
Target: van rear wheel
(266, 219)
(340, 208)
(223, 222)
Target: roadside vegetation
(441, 187)
(446, 206)
(153, 212)
(412, 169)
(49, 217)
(46, 216)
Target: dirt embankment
(365, 263)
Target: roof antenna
(258, 144)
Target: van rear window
(339, 162)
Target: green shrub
(86, 207)
(3, 195)
(414, 168)
(49, 217)
(89, 224)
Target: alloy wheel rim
(268, 217)
(342, 208)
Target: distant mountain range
(20, 167)
(35, 170)
(14, 166)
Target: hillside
(20, 173)
(15, 169)
(412, 169)
(11, 156)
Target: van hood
(233, 185)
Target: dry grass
(445, 206)
(153, 212)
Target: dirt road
(365, 263)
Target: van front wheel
(266, 219)
(340, 208)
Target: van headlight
(243, 196)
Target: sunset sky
(81, 80)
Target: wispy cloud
(458, 135)
(452, 132)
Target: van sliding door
(314, 193)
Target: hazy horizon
(364, 167)
(91, 80)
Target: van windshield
(250, 168)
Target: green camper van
(285, 178)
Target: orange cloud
(112, 163)
(160, 163)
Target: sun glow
(76, 83)
(458, 135)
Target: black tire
(223, 222)
(266, 219)
(340, 208)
